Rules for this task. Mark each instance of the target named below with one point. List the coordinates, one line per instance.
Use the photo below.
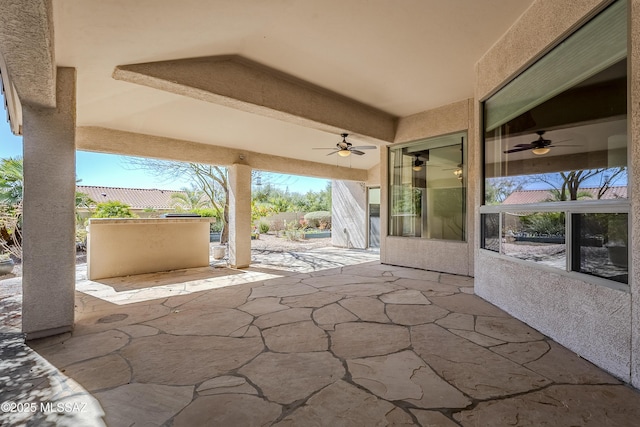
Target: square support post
(239, 216)
(49, 253)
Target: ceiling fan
(539, 147)
(344, 148)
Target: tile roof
(536, 196)
(137, 198)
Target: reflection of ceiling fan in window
(344, 148)
(539, 147)
(419, 160)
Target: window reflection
(535, 236)
(427, 189)
(490, 232)
(601, 245)
(571, 147)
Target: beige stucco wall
(113, 141)
(439, 255)
(592, 320)
(122, 247)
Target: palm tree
(11, 181)
(188, 199)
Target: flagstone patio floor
(357, 345)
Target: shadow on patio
(362, 344)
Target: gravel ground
(269, 242)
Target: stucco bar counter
(126, 246)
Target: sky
(110, 170)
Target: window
(427, 189)
(555, 155)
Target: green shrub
(550, 223)
(214, 227)
(264, 227)
(114, 209)
(319, 219)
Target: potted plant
(6, 264)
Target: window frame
(465, 171)
(611, 206)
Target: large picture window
(427, 189)
(555, 156)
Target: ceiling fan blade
(357, 152)
(524, 145)
(515, 150)
(364, 147)
(333, 152)
(554, 145)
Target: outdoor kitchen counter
(126, 246)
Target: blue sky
(112, 171)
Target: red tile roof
(523, 197)
(137, 198)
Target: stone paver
(359, 339)
(342, 404)
(226, 384)
(181, 360)
(285, 378)
(522, 352)
(405, 314)
(476, 371)
(143, 404)
(404, 376)
(366, 308)
(228, 410)
(566, 405)
(296, 338)
(327, 317)
(351, 345)
(407, 296)
(103, 372)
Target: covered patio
(359, 344)
(246, 86)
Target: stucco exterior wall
(121, 247)
(438, 255)
(348, 214)
(592, 320)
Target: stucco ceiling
(401, 57)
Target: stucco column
(48, 273)
(239, 216)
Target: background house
(145, 203)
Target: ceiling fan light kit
(538, 147)
(344, 153)
(541, 151)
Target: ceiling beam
(26, 47)
(239, 83)
(113, 141)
